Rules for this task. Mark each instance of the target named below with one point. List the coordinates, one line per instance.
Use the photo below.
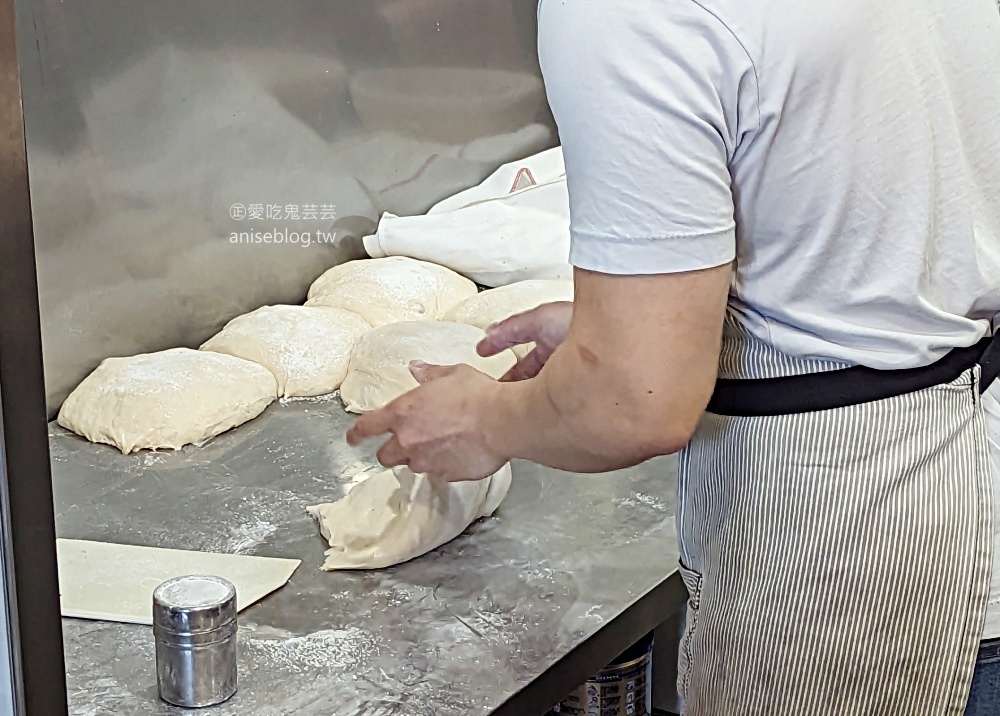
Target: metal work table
(505, 619)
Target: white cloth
(845, 153)
(513, 227)
(408, 175)
(512, 178)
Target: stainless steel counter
(494, 622)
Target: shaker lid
(195, 603)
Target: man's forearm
(630, 381)
(573, 417)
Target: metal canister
(622, 688)
(194, 624)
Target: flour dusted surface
(389, 290)
(307, 348)
(380, 365)
(167, 400)
(396, 515)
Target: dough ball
(380, 365)
(499, 487)
(389, 290)
(118, 319)
(307, 349)
(396, 515)
(497, 304)
(167, 399)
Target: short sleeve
(647, 96)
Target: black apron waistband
(793, 394)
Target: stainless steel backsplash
(193, 160)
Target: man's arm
(654, 102)
(630, 382)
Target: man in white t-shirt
(786, 234)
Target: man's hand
(545, 326)
(629, 382)
(437, 428)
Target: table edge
(591, 655)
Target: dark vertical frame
(30, 573)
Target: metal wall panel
(32, 657)
(151, 125)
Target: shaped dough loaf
(167, 399)
(497, 304)
(307, 349)
(396, 515)
(390, 290)
(380, 365)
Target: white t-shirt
(846, 154)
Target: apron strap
(790, 395)
(989, 364)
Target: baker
(786, 212)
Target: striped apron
(838, 561)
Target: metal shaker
(194, 625)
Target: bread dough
(380, 365)
(499, 486)
(307, 349)
(167, 399)
(396, 515)
(81, 330)
(497, 304)
(390, 290)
